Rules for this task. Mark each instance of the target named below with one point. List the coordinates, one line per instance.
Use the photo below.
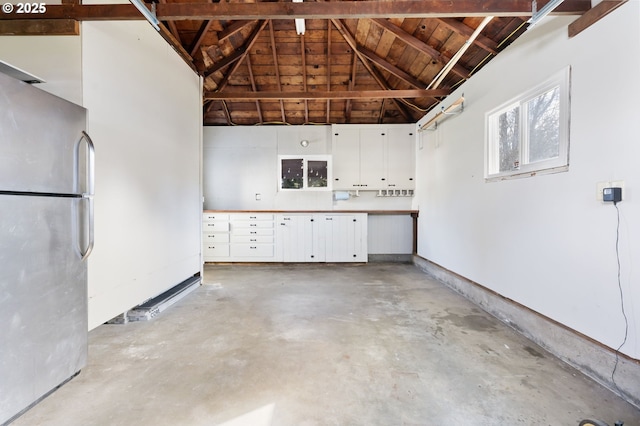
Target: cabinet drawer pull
(253, 239)
(253, 224)
(254, 247)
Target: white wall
(545, 241)
(242, 161)
(144, 107)
(144, 115)
(56, 60)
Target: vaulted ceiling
(356, 62)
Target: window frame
(561, 80)
(305, 168)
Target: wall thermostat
(612, 194)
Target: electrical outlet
(608, 184)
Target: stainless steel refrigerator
(46, 234)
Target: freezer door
(39, 136)
(43, 298)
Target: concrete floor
(375, 344)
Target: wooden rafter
(384, 64)
(275, 65)
(460, 28)
(381, 82)
(420, 45)
(173, 28)
(303, 55)
(233, 28)
(345, 94)
(306, 10)
(244, 52)
(352, 83)
(592, 16)
(226, 61)
(329, 25)
(202, 32)
(252, 80)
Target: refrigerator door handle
(90, 158)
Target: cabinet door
(372, 159)
(295, 238)
(342, 243)
(400, 158)
(346, 158)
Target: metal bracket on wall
(454, 109)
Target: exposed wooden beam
(306, 10)
(252, 80)
(315, 95)
(420, 45)
(202, 32)
(275, 65)
(226, 61)
(329, 25)
(374, 73)
(177, 46)
(303, 55)
(233, 28)
(48, 27)
(382, 63)
(352, 83)
(481, 41)
(245, 51)
(174, 29)
(592, 16)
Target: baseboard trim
(591, 358)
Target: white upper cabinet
(400, 154)
(346, 157)
(373, 157)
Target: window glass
(292, 170)
(529, 135)
(509, 139)
(544, 126)
(317, 174)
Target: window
(311, 172)
(530, 134)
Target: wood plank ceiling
(353, 70)
(332, 56)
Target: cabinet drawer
(253, 231)
(216, 250)
(251, 224)
(252, 250)
(249, 217)
(209, 217)
(252, 239)
(215, 238)
(217, 226)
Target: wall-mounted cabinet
(373, 157)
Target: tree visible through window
(530, 133)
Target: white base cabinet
(285, 237)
